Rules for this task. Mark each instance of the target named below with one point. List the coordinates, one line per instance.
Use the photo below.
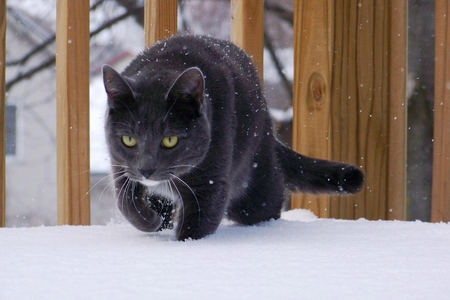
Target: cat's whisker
(192, 191)
(180, 201)
(169, 190)
(133, 199)
(100, 180)
(168, 185)
(109, 176)
(92, 187)
(123, 191)
(111, 183)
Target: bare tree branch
(30, 72)
(278, 66)
(44, 44)
(30, 54)
(280, 11)
(133, 8)
(51, 61)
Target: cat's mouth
(150, 183)
(154, 180)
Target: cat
(191, 141)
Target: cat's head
(156, 126)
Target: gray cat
(191, 140)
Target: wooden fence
(349, 97)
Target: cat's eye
(129, 141)
(170, 141)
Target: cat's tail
(310, 175)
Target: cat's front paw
(144, 219)
(149, 223)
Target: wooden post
(160, 20)
(397, 114)
(440, 206)
(247, 29)
(312, 86)
(358, 49)
(2, 115)
(72, 72)
(369, 105)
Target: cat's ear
(117, 88)
(189, 85)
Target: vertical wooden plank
(247, 29)
(364, 120)
(344, 95)
(160, 20)
(398, 66)
(440, 206)
(2, 114)
(313, 42)
(369, 105)
(72, 72)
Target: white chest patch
(150, 183)
(162, 188)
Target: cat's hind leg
(261, 200)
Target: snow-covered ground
(297, 257)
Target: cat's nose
(147, 172)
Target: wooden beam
(247, 29)
(2, 114)
(160, 20)
(363, 118)
(397, 114)
(313, 42)
(440, 206)
(72, 77)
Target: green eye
(170, 141)
(129, 141)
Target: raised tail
(311, 175)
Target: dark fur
(227, 161)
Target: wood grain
(2, 115)
(312, 82)
(440, 207)
(397, 114)
(365, 107)
(247, 29)
(72, 88)
(160, 20)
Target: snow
(99, 159)
(296, 257)
(282, 115)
